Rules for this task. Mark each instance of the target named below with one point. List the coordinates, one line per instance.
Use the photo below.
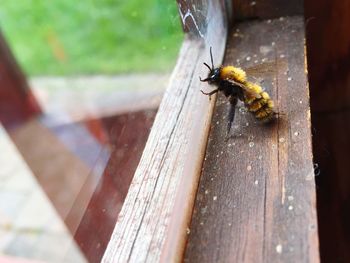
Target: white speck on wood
(279, 248)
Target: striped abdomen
(262, 107)
(257, 101)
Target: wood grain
(152, 223)
(256, 198)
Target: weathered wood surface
(256, 198)
(152, 223)
(328, 49)
(243, 9)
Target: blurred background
(80, 84)
(94, 37)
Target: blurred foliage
(65, 37)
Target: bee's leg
(210, 93)
(231, 114)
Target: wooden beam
(153, 221)
(263, 9)
(256, 198)
(328, 49)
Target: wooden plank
(330, 103)
(243, 9)
(152, 223)
(256, 198)
(331, 153)
(329, 72)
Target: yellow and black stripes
(232, 82)
(233, 73)
(260, 105)
(257, 101)
(261, 108)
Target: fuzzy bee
(232, 81)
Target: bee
(232, 81)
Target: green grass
(66, 37)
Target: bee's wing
(266, 69)
(247, 91)
(262, 70)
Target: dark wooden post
(328, 48)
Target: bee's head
(214, 73)
(213, 76)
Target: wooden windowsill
(256, 198)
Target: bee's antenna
(207, 66)
(211, 58)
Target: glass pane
(73, 130)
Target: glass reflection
(70, 144)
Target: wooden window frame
(154, 223)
